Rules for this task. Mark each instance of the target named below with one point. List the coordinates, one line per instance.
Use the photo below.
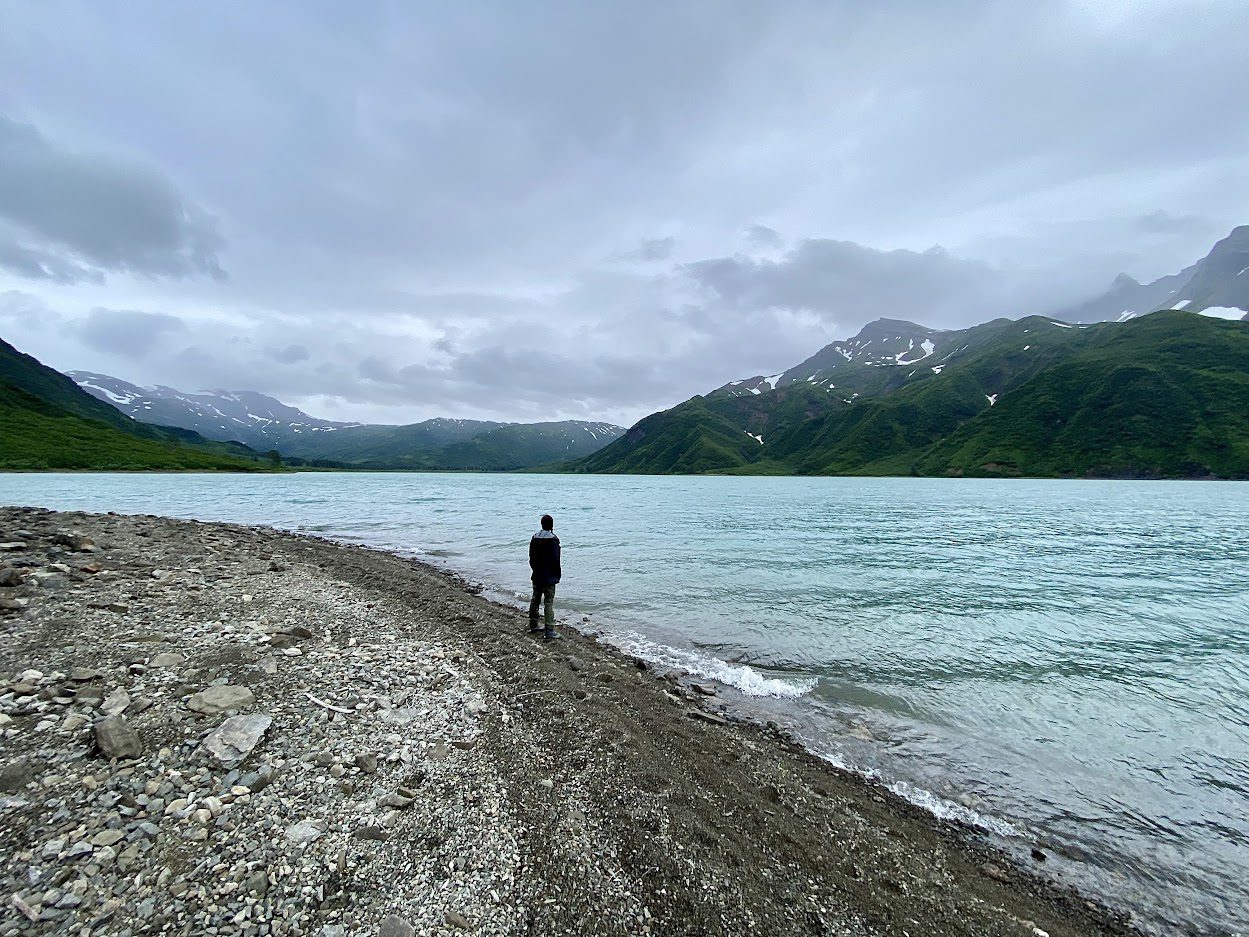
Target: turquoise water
(1058, 662)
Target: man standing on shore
(544, 561)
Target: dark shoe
(550, 635)
(535, 626)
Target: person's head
(548, 522)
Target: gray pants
(546, 596)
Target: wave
(920, 796)
(739, 676)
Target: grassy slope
(1164, 395)
(47, 421)
(380, 444)
(36, 434)
(1167, 396)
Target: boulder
(167, 659)
(10, 577)
(233, 740)
(116, 739)
(220, 699)
(303, 833)
(115, 703)
(395, 926)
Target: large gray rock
(220, 699)
(304, 832)
(115, 703)
(10, 577)
(116, 739)
(394, 926)
(233, 740)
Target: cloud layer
(71, 216)
(586, 210)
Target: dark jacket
(544, 558)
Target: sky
(535, 211)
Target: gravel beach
(214, 729)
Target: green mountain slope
(47, 422)
(453, 445)
(383, 445)
(1163, 395)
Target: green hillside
(47, 422)
(383, 445)
(1166, 395)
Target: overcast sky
(586, 210)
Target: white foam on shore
(923, 798)
(739, 676)
(948, 810)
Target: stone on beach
(220, 699)
(233, 740)
(167, 659)
(116, 739)
(395, 926)
(115, 703)
(304, 832)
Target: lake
(1062, 662)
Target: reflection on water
(1068, 658)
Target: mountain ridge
(48, 422)
(902, 414)
(264, 422)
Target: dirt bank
(310, 738)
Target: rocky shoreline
(214, 729)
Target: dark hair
(548, 522)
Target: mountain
(1166, 395)
(247, 417)
(263, 422)
(47, 422)
(1163, 395)
(454, 445)
(1218, 283)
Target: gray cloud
(850, 283)
(434, 204)
(26, 312)
(651, 250)
(291, 354)
(104, 212)
(763, 236)
(127, 332)
(33, 264)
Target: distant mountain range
(1106, 390)
(265, 423)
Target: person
(544, 561)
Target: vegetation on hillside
(1165, 395)
(48, 422)
(36, 435)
